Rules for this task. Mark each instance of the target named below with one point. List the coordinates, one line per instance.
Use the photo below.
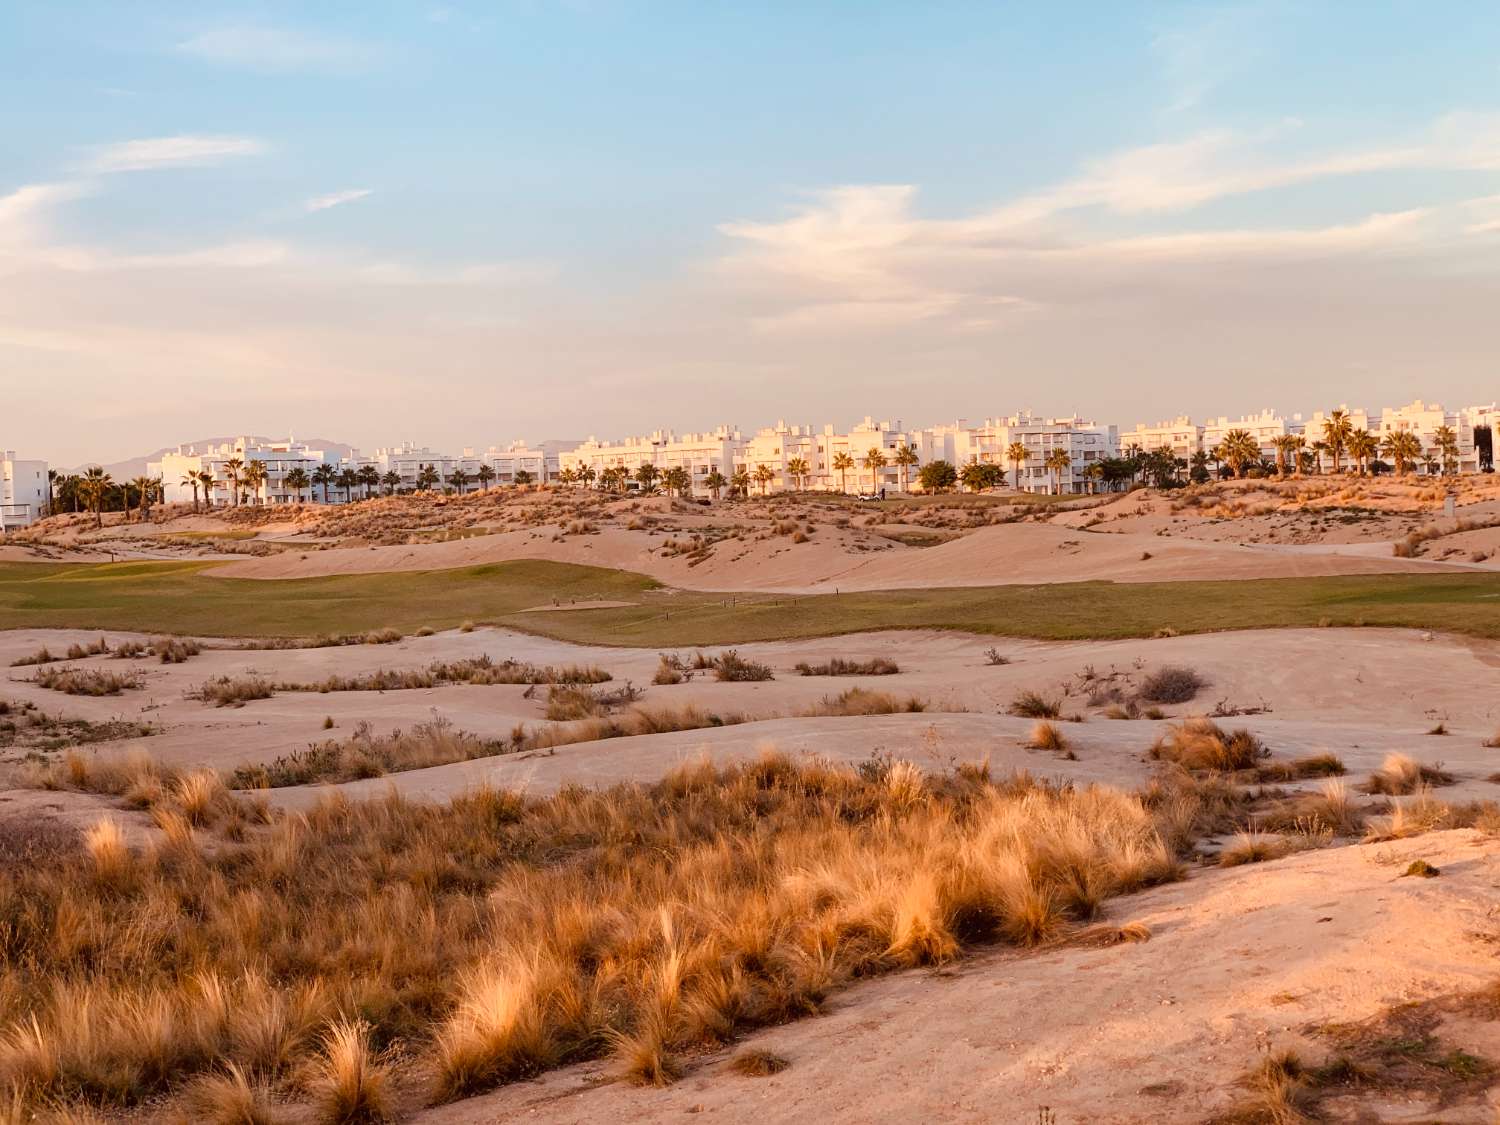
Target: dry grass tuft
(234, 691)
(1253, 847)
(1171, 684)
(86, 681)
(730, 667)
(228, 1097)
(349, 1085)
(754, 1062)
(1201, 744)
(862, 701)
(1046, 736)
(1033, 705)
(366, 754)
(496, 936)
(878, 666)
(1399, 776)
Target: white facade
(178, 469)
(700, 454)
(1084, 442)
(1264, 427)
(23, 490)
(1180, 435)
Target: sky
(466, 223)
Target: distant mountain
(136, 466)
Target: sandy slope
(1239, 961)
(998, 555)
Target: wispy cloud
(277, 49)
(1204, 49)
(335, 199)
(170, 152)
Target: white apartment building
(1181, 435)
(1083, 441)
(24, 491)
(175, 469)
(1264, 427)
(700, 454)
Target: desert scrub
(1399, 776)
(732, 668)
(169, 650)
(1170, 684)
(878, 666)
(233, 691)
(499, 936)
(481, 670)
(26, 725)
(1201, 744)
(1034, 705)
(367, 754)
(86, 681)
(860, 701)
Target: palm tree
(1093, 472)
(905, 458)
(1403, 448)
(1429, 462)
(1336, 433)
(485, 474)
(206, 479)
(297, 479)
(1239, 450)
(1015, 453)
(427, 477)
(676, 479)
(190, 480)
(391, 481)
(325, 475)
(523, 477)
(255, 478)
(842, 463)
(797, 469)
(94, 488)
(459, 479)
(348, 480)
(764, 475)
(1362, 446)
(1058, 462)
(715, 482)
(1318, 449)
(1446, 442)
(646, 474)
(586, 474)
(369, 476)
(1286, 452)
(874, 460)
(233, 467)
(739, 481)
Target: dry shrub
(366, 754)
(565, 703)
(1253, 847)
(86, 681)
(349, 1085)
(234, 691)
(1315, 765)
(1034, 705)
(1201, 744)
(1046, 736)
(41, 656)
(228, 1097)
(878, 666)
(481, 670)
(1171, 684)
(668, 671)
(730, 667)
(860, 701)
(498, 935)
(754, 1062)
(169, 650)
(1400, 775)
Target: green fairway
(180, 598)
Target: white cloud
(171, 152)
(334, 199)
(256, 47)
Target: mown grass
(180, 597)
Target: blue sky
(464, 223)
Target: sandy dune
(1000, 555)
(1239, 961)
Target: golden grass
(86, 681)
(862, 701)
(497, 936)
(838, 666)
(1400, 775)
(1047, 736)
(1201, 744)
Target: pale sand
(1238, 961)
(999, 555)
